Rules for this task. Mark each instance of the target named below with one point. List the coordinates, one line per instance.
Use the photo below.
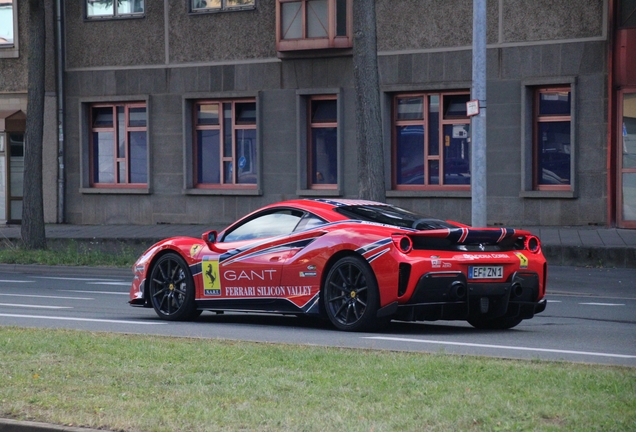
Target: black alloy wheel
(351, 296)
(172, 289)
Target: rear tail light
(533, 244)
(403, 243)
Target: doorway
(626, 181)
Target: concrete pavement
(576, 246)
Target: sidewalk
(576, 246)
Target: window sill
(542, 194)
(115, 191)
(9, 52)
(226, 191)
(428, 194)
(319, 192)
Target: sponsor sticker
(523, 261)
(308, 274)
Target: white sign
(472, 108)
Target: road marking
(502, 347)
(96, 292)
(35, 306)
(76, 279)
(109, 283)
(15, 281)
(48, 297)
(555, 301)
(81, 319)
(602, 304)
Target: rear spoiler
(452, 238)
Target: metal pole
(59, 55)
(478, 122)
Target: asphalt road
(590, 318)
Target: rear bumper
(449, 296)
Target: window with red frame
(225, 150)
(431, 149)
(552, 146)
(119, 150)
(114, 9)
(313, 24)
(322, 142)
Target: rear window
(390, 215)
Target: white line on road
(47, 297)
(96, 292)
(109, 283)
(81, 319)
(554, 301)
(602, 304)
(76, 279)
(35, 306)
(15, 281)
(501, 347)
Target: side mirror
(209, 237)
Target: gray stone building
(198, 111)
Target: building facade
(199, 111)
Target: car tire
(171, 289)
(495, 323)
(351, 297)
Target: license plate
(485, 272)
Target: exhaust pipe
(458, 290)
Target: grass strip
(70, 253)
(149, 383)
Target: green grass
(148, 383)
(70, 253)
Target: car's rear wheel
(495, 323)
(351, 296)
(171, 289)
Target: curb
(7, 425)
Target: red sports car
(358, 263)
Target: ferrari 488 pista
(359, 264)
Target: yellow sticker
(523, 261)
(194, 250)
(211, 281)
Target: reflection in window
(119, 149)
(225, 147)
(323, 141)
(268, 225)
(552, 138)
(6, 22)
(113, 8)
(215, 5)
(313, 24)
(429, 151)
(626, 13)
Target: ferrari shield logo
(194, 250)
(211, 281)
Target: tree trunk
(32, 229)
(368, 120)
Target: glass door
(627, 159)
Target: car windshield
(390, 215)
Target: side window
(552, 138)
(114, 9)
(322, 142)
(118, 145)
(267, 225)
(9, 29)
(431, 149)
(313, 24)
(308, 222)
(225, 147)
(220, 5)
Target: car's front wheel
(171, 289)
(351, 296)
(495, 323)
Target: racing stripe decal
(476, 235)
(376, 245)
(240, 255)
(377, 255)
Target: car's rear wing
(468, 240)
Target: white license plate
(485, 272)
